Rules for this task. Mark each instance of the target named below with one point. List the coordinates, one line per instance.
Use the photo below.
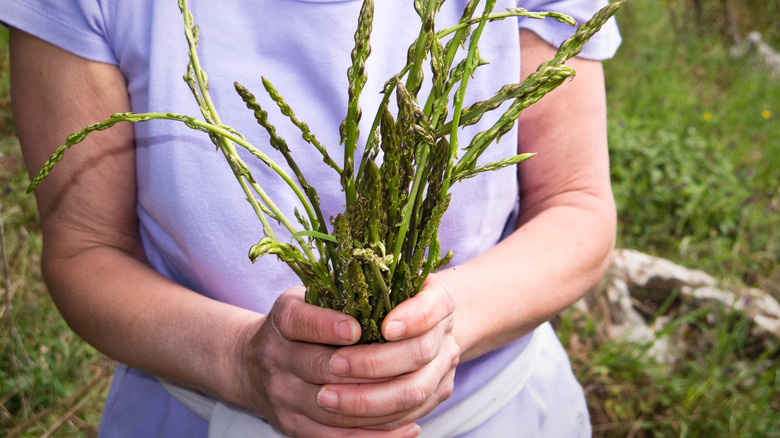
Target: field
(695, 148)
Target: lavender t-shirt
(195, 224)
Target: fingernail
(346, 331)
(413, 431)
(394, 330)
(327, 399)
(339, 365)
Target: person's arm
(566, 228)
(96, 271)
(92, 258)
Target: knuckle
(445, 391)
(285, 429)
(283, 317)
(455, 361)
(276, 391)
(413, 396)
(287, 425)
(370, 364)
(427, 350)
(345, 422)
(429, 317)
(362, 404)
(455, 354)
(446, 387)
(450, 323)
(320, 369)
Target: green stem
(471, 65)
(312, 207)
(514, 12)
(414, 80)
(303, 127)
(406, 213)
(357, 79)
(438, 99)
(380, 281)
(387, 91)
(226, 145)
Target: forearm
(567, 218)
(92, 260)
(531, 276)
(136, 316)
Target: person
(146, 232)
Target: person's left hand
(412, 374)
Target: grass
(725, 387)
(695, 144)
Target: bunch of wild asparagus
(379, 251)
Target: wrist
(233, 374)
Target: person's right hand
(285, 361)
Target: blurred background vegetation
(695, 148)
(694, 125)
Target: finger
(386, 360)
(310, 363)
(429, 385)
(297, 415)
(301, 426)
(298, 321)
(420, 313)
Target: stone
(638, 285)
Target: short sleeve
(77, 26)
(602, 45)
